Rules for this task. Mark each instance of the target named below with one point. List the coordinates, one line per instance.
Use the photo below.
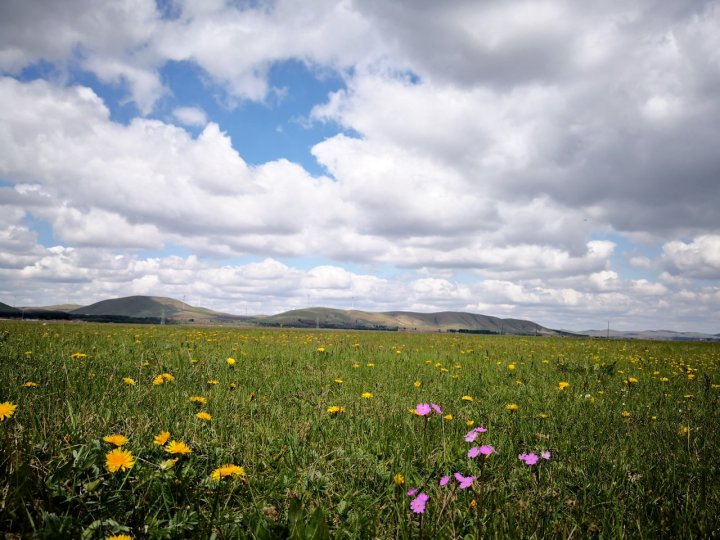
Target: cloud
(190, 116)
(699, 258)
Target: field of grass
(630, 429)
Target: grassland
(631, 434)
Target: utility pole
(608, 330)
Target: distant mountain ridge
(157, 307)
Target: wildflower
(528, 459)
(163, 378)
(29, 384)
(119, 459)
(355, 366)
(543, 415)
(626, 414)
(119, 537)
(417, 384)
(436, 408)
(162, 438)
(465, 481)
(213, 382)
(335, 409)
(422, 409)
(339, 381)
(78, 355)
(469, 422)
(473, 452)
(177, 447)
(366, 395)
(7, 409)
(230, 361)
(117, 440)
(444, 480)
(202, 415)
(632, 380)
(562, 385)
(519, 382)
(198, 399)
(412, 492)
(129, 381)
(545, 454)
(512, 407)
(168, 464)
(684, 430)
(664, 379)
(321, 349)
(467, 398)
(228, 470)
(417, 505)
(399, 479)
(511, 367)
(448, 417)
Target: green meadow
(322, 434)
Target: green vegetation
(289, 447)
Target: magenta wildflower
(422, 409)
(412, 492)
(486, 450)
(474, 452)
(471, 435)
(444, 480)
(436, 408)
(545, 454)
(528, 459)
(417, 505)
(465, 481)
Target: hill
(8, 310)
(157, 307)
(405, 320)
(655, 335)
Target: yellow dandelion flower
(632, 380)
(177, 447)
(683, 431)
(370, 365)
(119, 537)
(543, 415)
(229, 470)
(335, 409)
(204, 416)
(230, 361)
(119, 459)
(29, 384)
(339, 381)
(129, 381)
(664, 379)
(366, 395)
(198, 399)
(511, 367)
(469, 422)
(467, 398)
(78, 355)
(117, 440)
(355, 366)
(321, 349)
(213, 382)
(519, 382)
(168, 464)
(562, 385)
(7, 409)
(399, 479)
(417, 384)
(162, 438)
(626, 414)
(448, 417)
(512, 407)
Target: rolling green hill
(156, 307)
(404, 320)
(7, 310)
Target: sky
(557, 161)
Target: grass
(313, 474)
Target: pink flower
(444, 480)
(465, 481)
(436, 408)
(528, 459)
(422, 409)
(486, 450)
(545, 454)
(417, 505)
(471, 435)
(412, 492)
(473, 452)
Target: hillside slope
(153, 306)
